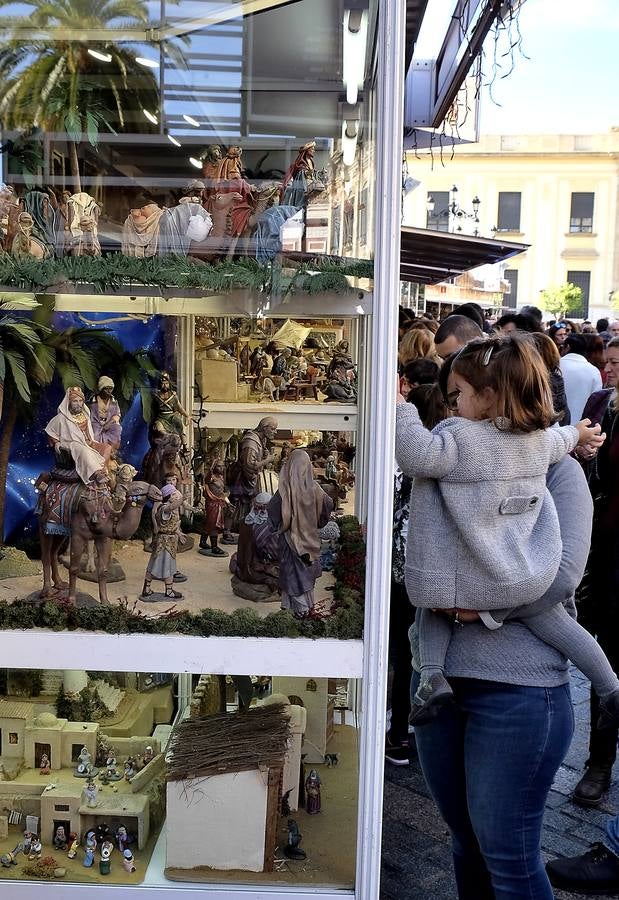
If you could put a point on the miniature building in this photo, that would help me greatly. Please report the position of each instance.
(223, 791)
(25, 738)
(315, 698)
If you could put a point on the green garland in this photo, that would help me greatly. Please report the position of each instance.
(346, 623)
(116, 272)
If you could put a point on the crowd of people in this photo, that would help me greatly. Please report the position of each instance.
(506, 507)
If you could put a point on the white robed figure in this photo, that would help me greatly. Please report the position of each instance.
(71, 430)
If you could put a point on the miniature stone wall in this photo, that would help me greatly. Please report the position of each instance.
(155, 767)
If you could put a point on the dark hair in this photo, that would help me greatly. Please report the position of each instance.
(522, 321)
(421, 371)
(428, 399)
(594, 346)
(460, 327)
(601, 325)
(507, 319)
(472, 311)
(533, 312)
(405, 316)
(512, 367)
(576, 343)
(556, 326)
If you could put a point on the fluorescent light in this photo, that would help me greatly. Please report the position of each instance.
(350, 131)
(173, 140)
(150, 117)
(195, 162)
(354, 49)
(149, 63)
(104, 57)
(191, 121)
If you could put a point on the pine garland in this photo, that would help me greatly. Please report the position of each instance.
(117, 272)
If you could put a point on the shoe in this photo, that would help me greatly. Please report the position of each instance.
(609, 711)
(397, 754)
(431, 696)
(217, 551)
(594, 872)
(178, 577)
(173, 595)
(592, 786)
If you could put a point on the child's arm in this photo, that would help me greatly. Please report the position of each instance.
(565, 439)
(420, 452)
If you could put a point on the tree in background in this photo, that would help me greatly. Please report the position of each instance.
(562, 299)
(57, 85)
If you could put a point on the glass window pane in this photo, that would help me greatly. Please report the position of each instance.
(508, 217)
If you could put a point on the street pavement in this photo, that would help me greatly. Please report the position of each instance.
(416, 860)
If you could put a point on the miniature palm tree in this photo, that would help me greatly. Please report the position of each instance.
(59, 86)
(25, 365)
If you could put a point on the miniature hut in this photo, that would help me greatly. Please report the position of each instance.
(224, 790)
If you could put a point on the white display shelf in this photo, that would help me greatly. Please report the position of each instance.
(294, 415)
(321, 658)
(145, 302)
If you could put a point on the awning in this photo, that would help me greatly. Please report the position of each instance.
(428, 257)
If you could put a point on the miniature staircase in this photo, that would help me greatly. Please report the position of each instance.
(108, 694)
(51, 681)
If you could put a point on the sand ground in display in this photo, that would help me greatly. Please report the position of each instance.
(329, 838)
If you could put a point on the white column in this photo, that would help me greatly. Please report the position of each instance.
(380, 460)
(74, 680)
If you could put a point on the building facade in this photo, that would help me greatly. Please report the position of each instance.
(558, 193)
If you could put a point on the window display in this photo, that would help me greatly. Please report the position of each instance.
(187, 426)
(227, 773)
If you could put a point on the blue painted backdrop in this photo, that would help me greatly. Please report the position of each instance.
(30, 452)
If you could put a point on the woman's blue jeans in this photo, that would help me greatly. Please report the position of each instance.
(489, 761)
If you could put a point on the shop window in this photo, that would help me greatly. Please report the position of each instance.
(583, 281)
(508, 214)
(437, 219)
(581, 213)
(510, 300)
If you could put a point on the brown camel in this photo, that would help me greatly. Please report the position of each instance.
(99, 518)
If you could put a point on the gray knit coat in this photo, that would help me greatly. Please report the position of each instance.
(486, 529)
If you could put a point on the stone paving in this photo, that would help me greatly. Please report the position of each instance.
(416, 863)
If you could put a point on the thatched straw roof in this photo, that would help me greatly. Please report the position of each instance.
(228, 742)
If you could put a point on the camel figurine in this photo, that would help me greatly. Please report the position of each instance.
(100, 517)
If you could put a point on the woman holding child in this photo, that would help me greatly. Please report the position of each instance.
(508, 518)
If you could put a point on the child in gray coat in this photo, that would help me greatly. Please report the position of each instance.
(480, 498)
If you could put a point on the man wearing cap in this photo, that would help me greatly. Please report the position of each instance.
(70, 431)
(105, 414)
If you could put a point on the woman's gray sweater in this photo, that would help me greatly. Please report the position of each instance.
(479, 499)
(512, 654)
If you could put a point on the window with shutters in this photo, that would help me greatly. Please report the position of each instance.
(581, 213)
(583, 281)
(511, 299)
(508, 213)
